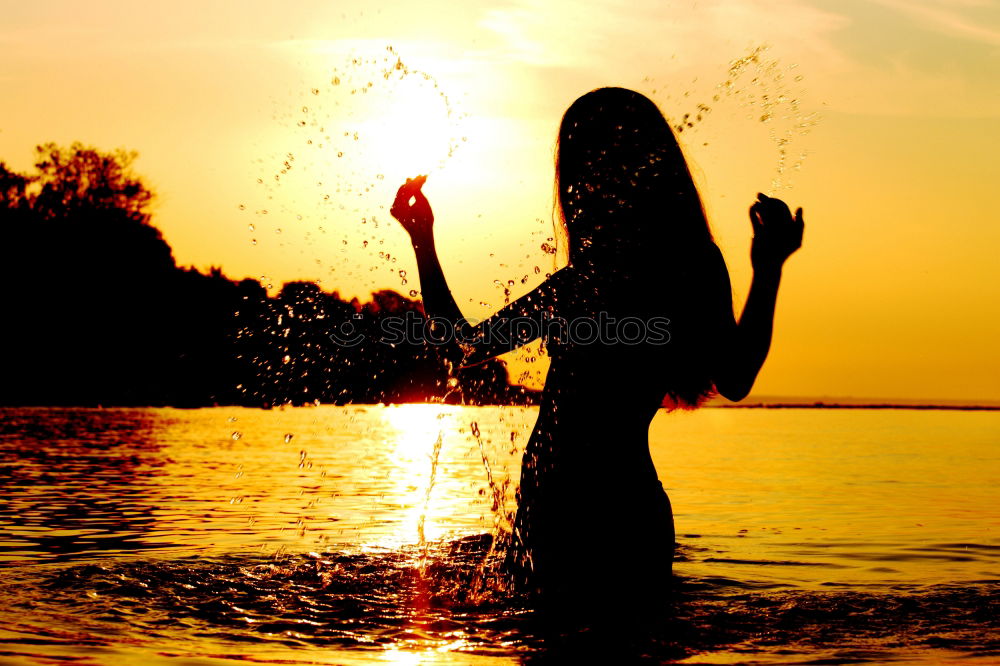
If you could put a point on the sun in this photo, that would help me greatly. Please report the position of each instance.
(379, 116)
(363, 124)
(415, 132)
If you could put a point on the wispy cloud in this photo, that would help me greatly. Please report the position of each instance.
(603, 32)
(837, 47)
(949, 19)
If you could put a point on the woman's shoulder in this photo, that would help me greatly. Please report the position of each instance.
(715, 264)
(698, 262)
(562, 277)
(560, 281)
(561, 290)
(711, 250)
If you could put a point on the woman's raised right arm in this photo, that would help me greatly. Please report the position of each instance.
(465, 342)
(418, 220)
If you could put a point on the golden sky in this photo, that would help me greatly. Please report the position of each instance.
(888, 112)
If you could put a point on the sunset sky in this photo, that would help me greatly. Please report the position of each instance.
(888, 112)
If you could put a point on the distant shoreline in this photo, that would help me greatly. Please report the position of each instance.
(846, 402)
(715, 404)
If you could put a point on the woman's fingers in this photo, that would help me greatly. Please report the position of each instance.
(411, 207)
(419, 200)
(772, 218)
(406, 191)
(755, 221)
(409, 189)
(771, 212)
(777, 232)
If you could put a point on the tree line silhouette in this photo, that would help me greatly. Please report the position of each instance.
(98, 312)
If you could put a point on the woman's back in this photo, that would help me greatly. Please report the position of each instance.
(631, 340)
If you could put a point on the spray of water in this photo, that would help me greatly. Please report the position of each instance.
(764, 90)
(349, 140)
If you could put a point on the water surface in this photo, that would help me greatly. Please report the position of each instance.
(361, 535)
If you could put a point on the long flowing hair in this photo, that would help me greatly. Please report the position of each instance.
(632, 214)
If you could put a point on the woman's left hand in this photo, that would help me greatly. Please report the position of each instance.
(776, 234)
(415, 217)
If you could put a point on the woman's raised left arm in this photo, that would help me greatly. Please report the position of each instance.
(745, 345)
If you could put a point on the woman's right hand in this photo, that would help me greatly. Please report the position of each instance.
(776, 234)
(412, 209)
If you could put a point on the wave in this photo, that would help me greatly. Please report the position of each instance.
(444, 597)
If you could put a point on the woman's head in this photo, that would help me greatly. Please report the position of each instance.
(622, 179)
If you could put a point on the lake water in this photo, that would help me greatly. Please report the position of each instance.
(343, 535)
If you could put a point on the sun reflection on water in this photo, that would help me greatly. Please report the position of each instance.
(444, 653)
(415, 433)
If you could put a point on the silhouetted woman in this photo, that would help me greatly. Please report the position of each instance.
(641, 317)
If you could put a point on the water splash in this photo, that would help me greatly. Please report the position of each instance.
(350, 139)
(767, 92)
(422, 520)
(502, 518)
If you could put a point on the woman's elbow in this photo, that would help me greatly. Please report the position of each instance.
(732, 394)
(732, 389)
(735, 376)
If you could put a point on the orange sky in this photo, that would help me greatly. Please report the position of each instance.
(893, 104)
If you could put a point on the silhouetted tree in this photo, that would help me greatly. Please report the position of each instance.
(98, 312)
